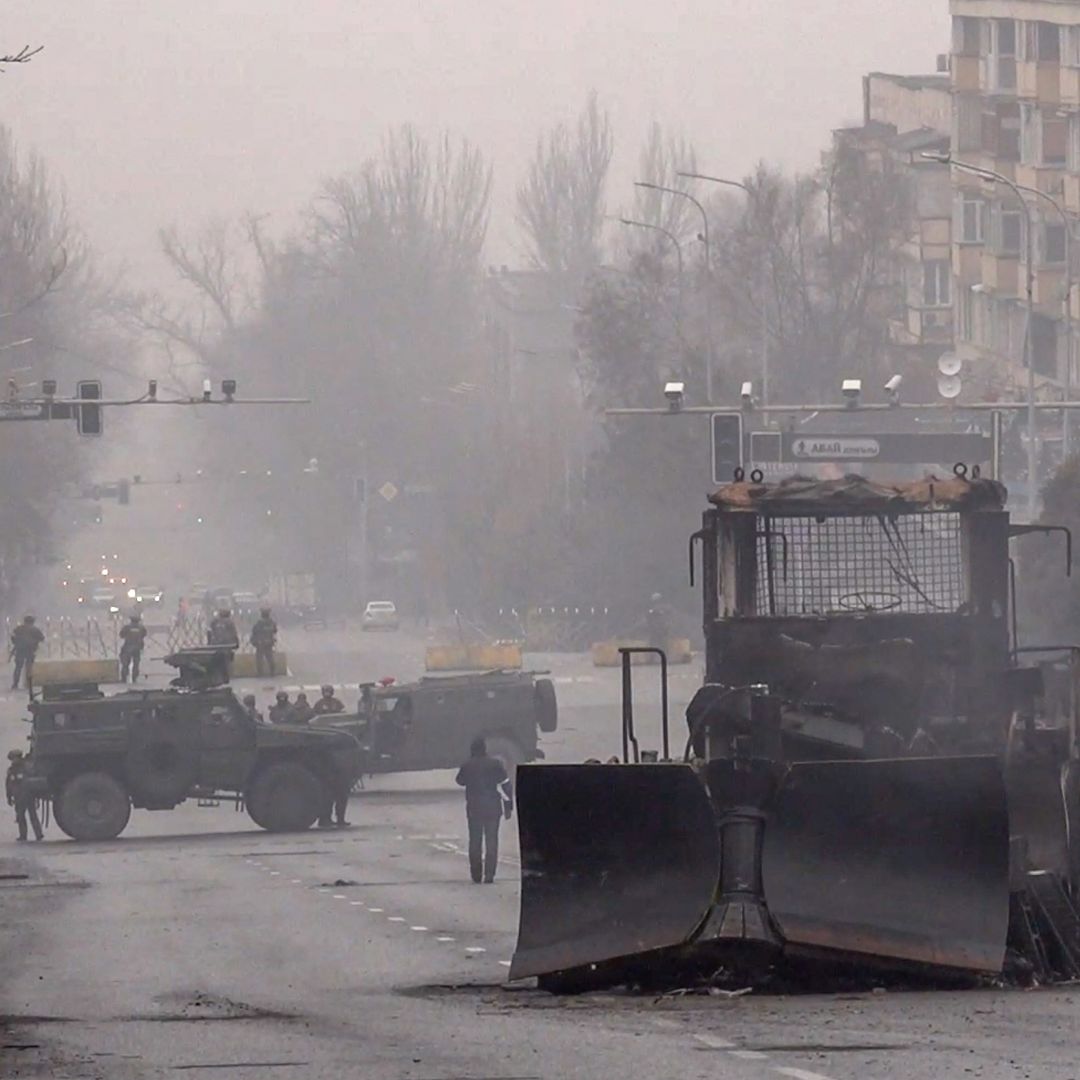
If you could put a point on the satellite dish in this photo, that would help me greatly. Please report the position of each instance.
(949, 386)
(949, 364)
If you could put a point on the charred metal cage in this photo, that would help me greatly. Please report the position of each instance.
(910, 564)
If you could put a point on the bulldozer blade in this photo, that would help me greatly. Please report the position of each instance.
(897, 860)
(615, 862)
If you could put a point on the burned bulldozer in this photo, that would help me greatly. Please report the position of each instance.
(876, 775)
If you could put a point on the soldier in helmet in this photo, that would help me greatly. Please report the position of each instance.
(281, 712)
(25, 639)
(223, 631)
(302, 711)
(133, 638)
(264, 638)
(252, 709)
(20, 797)
(328, 703)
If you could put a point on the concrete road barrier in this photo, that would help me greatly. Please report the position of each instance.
(473, 657)
(244, 665)
(606, 653)
(52, 672)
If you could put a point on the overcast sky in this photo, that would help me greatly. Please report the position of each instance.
(162, 111)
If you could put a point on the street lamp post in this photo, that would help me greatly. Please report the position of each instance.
(709, 335)
(678, 254)
(764, 277)
(1029, 288)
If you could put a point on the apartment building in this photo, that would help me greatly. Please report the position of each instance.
(1015, 75)
(903, 116)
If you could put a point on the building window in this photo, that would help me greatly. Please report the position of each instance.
(1044, 345)
(1001, 132)
(1070, 45)
(967, 36)
(965, 315)
(1055, 140)
(1053, 245)
(1044, 137)
(936, 281)
(972, 219)
(1003, 54)
(1010, 232)
(1047, 42)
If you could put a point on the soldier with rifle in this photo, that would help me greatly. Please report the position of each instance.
(264, 638)
(25, 639)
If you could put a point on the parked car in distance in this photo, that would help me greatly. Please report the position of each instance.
(379, 615)
(104, 597)
(147, 594)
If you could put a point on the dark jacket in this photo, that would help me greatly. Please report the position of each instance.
(325, 706)
(223, 632)
(302, 713)
(133, 638)
(481, 777)
(26, 638)
(282, 714)
(15, 783)
(264, 633)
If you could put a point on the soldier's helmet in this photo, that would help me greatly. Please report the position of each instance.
(136, 617)
(14, 755)
(249, 699)
(327, 690)
(265, 612)
(224, 613)
(28, 619)
(282, 696)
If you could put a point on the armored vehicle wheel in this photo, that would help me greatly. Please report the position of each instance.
(161, 767)
(285, 797)
(507, 750)
(92, 806)
(547, 709)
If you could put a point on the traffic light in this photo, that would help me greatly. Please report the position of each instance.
(88, 418)
(727, 445)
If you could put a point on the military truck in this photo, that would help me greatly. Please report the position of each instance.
(97, 757)
(430, 723)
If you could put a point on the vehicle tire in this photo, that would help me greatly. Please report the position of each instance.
(161, 765)
(285, 797)
(92, 806)
(547, 709)
(507, 750)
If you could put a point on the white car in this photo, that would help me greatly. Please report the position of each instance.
(379, 615)
(147, 594)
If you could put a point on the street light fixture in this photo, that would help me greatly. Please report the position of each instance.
(632, 223)
(752, 195)
(1029, 286)
(709, 346)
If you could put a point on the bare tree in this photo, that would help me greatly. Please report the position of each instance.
(662, 157)
(23, 56)
(560, 204)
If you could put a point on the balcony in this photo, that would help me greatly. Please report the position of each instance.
(1001, 272)
(1039, 80)
(1043, 177)
(966, 73)
(1072, 193)
(1070, 86)
(1049, 288)
(967, 263)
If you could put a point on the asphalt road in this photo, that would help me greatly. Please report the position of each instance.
(196, 944)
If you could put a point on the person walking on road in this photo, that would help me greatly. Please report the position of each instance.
(264, 638)
(132, 639)
(487, 798)
(25, 639)
(20, 797)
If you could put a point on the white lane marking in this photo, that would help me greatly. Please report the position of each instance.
(340, 896)
(505, 963)
(377, 910)
(420, 929)
(275, 873)
(294, 881)
(324, 890)
(356, 903)
(748, 1055)
(475, 948)
(714, 1042)
(444, 938)
(394, 918)
(801, 1074)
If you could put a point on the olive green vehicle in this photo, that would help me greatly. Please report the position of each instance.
(97, 757)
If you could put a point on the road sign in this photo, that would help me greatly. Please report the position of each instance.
(389, 491)
(893, 448)
(23, 410)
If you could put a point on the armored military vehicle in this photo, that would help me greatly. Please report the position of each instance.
(97, 757)
(429, 724)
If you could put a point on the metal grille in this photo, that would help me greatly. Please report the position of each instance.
(819, 566)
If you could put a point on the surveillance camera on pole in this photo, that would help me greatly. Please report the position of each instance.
(675, 392)
(207, 390)
(892, 389)
(852, 390)
(746, 392)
